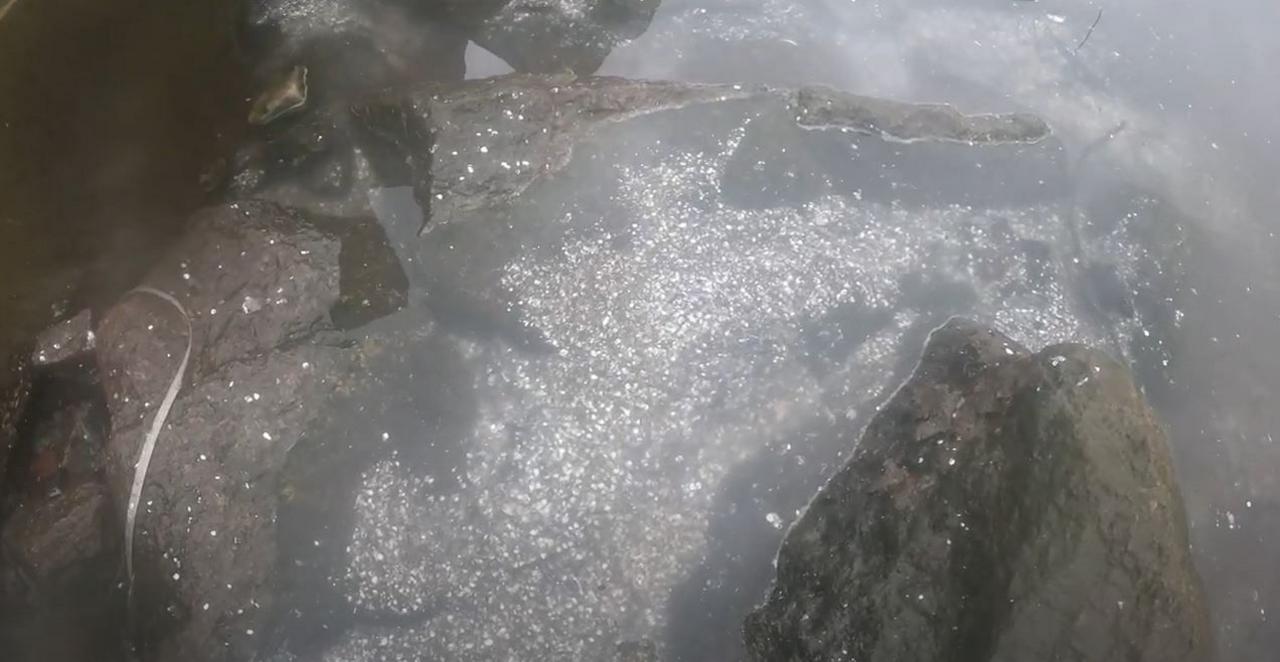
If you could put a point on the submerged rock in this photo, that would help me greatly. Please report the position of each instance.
(908, 122)
(349, 47)
(63, 434)
(59, 578)
(352, 47)
(503, 134)
(70, 338)
(478, 145)
(52, 534)
(676, 301)
(59, 560)
(1002, 505)
(15, 388)
(258, 283)
(460, 147)
(550, 36)
(711, 337)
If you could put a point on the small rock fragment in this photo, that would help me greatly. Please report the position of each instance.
(65, 340)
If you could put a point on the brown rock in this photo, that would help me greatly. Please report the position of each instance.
(65, 340)
(1002, 506)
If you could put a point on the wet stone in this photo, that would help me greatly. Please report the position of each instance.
(637, 651)
(258, 283)
(549, 36)
(65, 340)
(63, 433)
(349, 48)
(59, 585)
(15, 388)
(826, 108)
(708, 354)
(462, 147)
(1002, 505)
(354, 47)
(54, 532)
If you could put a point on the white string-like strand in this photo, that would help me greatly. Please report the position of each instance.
(149, 442)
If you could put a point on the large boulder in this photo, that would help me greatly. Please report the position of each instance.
(259, 284)
(57, 533)
(351, 47)
(59, 553)
(1002, 505)
(59, 578)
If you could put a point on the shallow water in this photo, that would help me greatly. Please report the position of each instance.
(634, 485)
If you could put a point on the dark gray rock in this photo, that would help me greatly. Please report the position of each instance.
(1002, 505)
(494, 138)
(59, 584)
(252, 276)
(330, 160)
(63, 433)
(355, 48)
(352, 48)
(896, 120)
(508, 242)
(259, 283)
(548, 36)
(15, 388)
(68, 339)
(637, 651)
(48, 535)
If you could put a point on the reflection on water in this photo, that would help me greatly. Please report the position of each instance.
(701, 286)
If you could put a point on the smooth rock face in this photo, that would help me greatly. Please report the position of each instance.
(1002, 505)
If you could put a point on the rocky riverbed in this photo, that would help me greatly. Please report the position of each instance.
(544, 366)
(457, 407)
